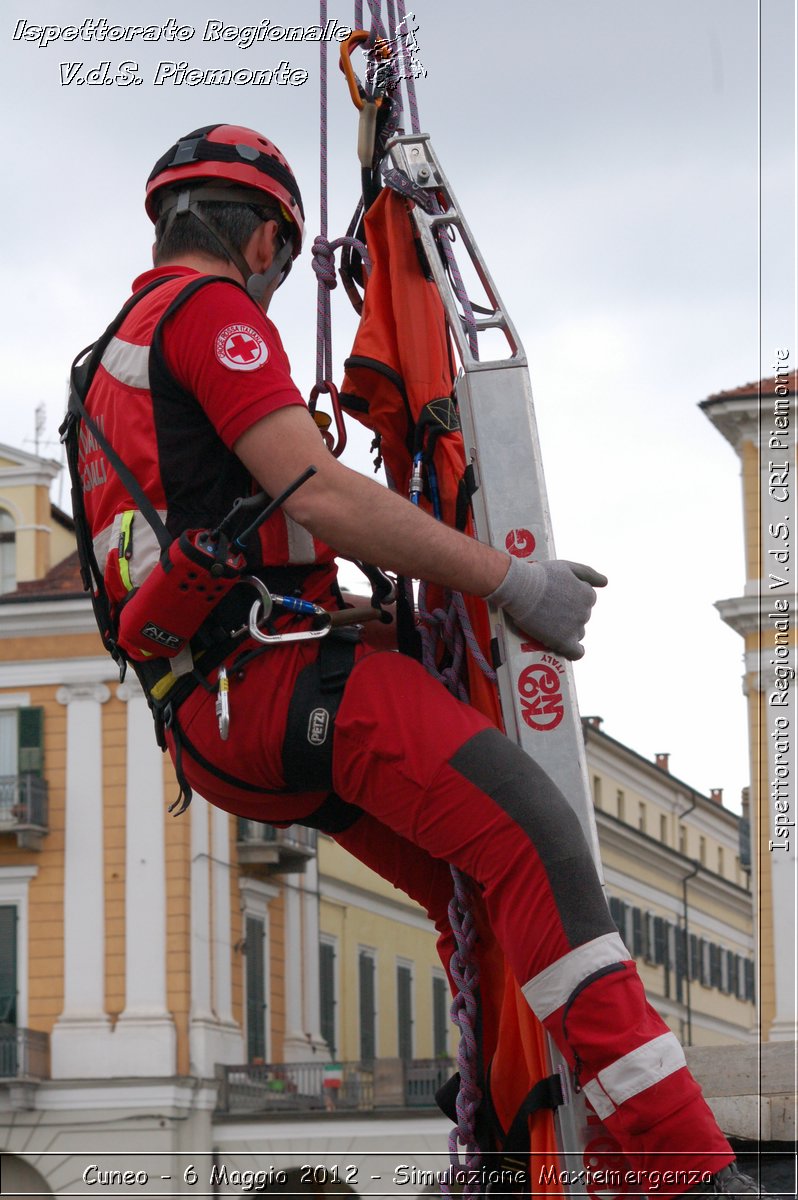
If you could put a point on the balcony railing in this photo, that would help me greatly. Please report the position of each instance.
(24, 1053)
(23, 808)
(339, 1087)
(279, 849)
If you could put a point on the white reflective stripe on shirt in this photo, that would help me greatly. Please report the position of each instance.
(127, 363)
(549, 990)
(632, 1074)
(144, 545)
(301, 547)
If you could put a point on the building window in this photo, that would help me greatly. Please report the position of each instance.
(720, 860)
(663, 829)
(597, 791)
(732, 966)
(702, 850)
(366, 973)
(14, 883)
(8, 552)
(705, 974)
(659, 941)
(327, 994)
(8, 965)
(22, 791)
(618, 910)
(750, 981)
(680, 960)
(682, 840)
(440, 1016)
(255, 939)
(641, 817)
(621, 800)
(404, 1011)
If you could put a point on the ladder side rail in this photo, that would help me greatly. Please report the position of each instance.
(415, 157)
(536, 688)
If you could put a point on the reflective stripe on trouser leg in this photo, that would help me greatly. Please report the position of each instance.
(633, 1073)
(437, 774)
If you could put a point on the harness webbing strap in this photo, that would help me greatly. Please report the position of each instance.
(319, 688)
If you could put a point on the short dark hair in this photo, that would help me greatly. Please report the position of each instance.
(237, 222)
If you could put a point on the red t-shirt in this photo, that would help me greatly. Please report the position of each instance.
(231, 370)
(226, 352)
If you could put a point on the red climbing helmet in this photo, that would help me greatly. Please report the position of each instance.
(236, 155)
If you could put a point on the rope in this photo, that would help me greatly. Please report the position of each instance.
(452, 625)
(465, 974)
(410, 83)
(323, 250)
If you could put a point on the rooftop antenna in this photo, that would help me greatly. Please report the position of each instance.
(40, 422)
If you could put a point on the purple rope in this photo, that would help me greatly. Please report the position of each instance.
(323, 320)
(453, 626)
(465, 974)
(410, 83)
(470, 637)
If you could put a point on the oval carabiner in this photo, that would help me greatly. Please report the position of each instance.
(269, 639)
(337, 444)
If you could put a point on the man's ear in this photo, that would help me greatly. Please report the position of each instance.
(265, 243)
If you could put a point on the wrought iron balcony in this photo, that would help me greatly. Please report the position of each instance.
(24, 1054)
(281, 850)
(23, 808)
(332, 1087)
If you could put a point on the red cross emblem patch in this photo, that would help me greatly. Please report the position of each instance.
(241, 348)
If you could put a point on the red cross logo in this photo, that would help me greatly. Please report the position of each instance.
(241, 348)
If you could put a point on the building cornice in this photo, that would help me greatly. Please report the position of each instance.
(43, 618)
(664, 780)
(667, 861)
(736, 418)
(63, 671)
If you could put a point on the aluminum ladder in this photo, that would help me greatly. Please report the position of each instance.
(536, 687)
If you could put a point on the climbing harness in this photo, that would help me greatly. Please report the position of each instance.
(202, 600)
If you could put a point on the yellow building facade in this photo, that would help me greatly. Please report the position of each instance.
(169, 983)
(759, 422)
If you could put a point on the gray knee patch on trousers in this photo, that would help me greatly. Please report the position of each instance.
(523, 791)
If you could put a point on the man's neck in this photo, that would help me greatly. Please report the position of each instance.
(205, 264)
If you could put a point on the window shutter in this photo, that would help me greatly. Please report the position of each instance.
(704, 954)
(8, 964)
(255, 934)
(750, 983)
(659, 941)
(404, 1011)
(440, 1017)
(680, 960)
(327, 993)
(637, 933)
(31, 741)
(695, 958)
(368, 1010)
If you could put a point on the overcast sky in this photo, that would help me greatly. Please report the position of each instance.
(606, 157)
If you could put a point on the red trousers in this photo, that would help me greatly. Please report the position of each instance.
(434, 783)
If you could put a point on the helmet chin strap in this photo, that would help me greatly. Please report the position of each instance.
(257, 283)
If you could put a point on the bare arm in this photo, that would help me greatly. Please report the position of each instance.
(357, 516)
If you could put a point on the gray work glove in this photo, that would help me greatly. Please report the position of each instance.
(551, 601)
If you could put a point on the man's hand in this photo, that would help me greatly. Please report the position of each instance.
(551, 601)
